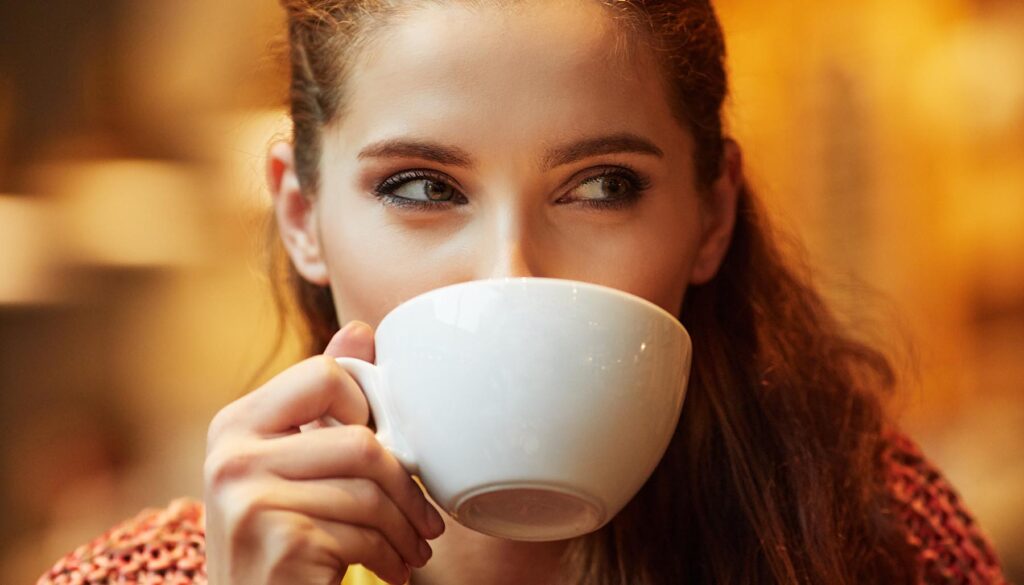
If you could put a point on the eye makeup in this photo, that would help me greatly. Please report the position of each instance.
(439, 192)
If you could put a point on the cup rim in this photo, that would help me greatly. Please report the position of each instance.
(547, 281)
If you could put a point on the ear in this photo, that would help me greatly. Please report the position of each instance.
(718, 215)
(295, 214)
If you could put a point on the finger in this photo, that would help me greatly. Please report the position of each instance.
(367, 547)
(291, 548)
(303, 393)
(355, 339)
(351, 451)
(294, 543)
(349, 501)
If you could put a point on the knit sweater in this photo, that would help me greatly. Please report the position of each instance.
(166, 546)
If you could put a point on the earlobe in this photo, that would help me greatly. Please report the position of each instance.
(295, 213)
(719, 215)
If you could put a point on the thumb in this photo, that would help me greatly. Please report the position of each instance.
(355, 339)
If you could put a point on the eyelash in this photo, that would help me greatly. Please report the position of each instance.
(638, 185)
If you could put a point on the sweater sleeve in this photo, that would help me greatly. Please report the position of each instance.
(158, 546)
(948, 544)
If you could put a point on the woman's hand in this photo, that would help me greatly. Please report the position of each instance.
(298, 508)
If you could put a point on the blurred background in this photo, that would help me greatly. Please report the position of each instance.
(887, 136)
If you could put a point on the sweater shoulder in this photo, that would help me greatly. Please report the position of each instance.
(947, 542)
(158, 545)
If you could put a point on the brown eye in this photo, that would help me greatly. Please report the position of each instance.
(417, 188)
(615, 187)
(436, 191)
(612, 188)
(607, 187)
(424, 190)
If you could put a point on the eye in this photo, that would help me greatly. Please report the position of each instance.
(418, 188)
(612, 187)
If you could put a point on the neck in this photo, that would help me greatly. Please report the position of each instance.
(466, 557)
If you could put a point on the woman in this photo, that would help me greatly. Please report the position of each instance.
(442, 141)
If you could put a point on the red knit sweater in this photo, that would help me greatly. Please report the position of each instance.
(166, 546)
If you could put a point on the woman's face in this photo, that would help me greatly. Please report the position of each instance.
(495, 142)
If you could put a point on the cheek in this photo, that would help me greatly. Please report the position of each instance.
(654, 261)
(373, 265)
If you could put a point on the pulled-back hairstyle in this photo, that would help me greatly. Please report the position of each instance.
(773, 475)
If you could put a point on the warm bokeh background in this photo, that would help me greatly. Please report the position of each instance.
(889, 136)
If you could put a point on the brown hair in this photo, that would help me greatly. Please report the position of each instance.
(773, 473)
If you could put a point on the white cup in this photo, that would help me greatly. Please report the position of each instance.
(530, 408)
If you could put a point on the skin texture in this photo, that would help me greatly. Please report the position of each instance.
(504, 87)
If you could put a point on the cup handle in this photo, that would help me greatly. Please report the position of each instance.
(369, 379)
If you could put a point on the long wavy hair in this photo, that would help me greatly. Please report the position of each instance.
(773, 475)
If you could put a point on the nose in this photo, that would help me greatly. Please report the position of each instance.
(511, 260)
(513, 248)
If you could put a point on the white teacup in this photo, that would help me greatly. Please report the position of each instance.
(530, 408)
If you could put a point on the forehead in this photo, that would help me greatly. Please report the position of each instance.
(532, 71)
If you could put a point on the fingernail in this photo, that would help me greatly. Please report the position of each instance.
(434, 521)
(360, 325)
(425, 551)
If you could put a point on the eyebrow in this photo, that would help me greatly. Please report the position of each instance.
(621, 142)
